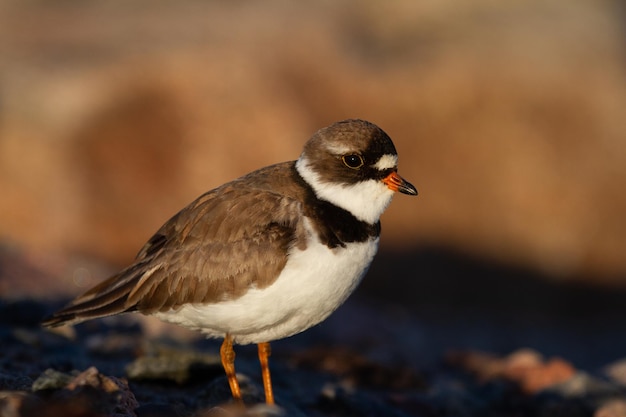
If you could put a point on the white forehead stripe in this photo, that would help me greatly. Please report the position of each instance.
(386, 161)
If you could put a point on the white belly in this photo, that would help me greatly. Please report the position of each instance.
(312, 285)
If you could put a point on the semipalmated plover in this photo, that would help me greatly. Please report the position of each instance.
(267, 255)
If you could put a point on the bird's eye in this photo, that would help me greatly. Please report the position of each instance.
(352, 161)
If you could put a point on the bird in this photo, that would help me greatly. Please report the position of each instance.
(265, 256)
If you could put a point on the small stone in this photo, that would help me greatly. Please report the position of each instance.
(617, 371)
(51, 379)
(91, 377)
(174, 365)
(536, 376)
(525, 367)
(86, 391)
(613, 408)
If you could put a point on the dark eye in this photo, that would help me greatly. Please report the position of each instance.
(352, 161)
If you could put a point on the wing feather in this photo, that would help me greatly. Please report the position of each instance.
(227, 241)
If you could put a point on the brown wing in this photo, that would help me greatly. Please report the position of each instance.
(227, 241)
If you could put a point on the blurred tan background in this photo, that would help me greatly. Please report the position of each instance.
(509, 118)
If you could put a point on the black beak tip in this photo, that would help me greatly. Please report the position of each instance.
(407, 188)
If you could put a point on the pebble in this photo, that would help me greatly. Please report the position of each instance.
(526, 367)
(617, 371)
(613, 408)
(180, 366)
(51, 379)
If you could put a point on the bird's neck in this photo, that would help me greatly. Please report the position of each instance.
(365, 200)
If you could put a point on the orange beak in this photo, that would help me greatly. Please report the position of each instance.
(396, 183)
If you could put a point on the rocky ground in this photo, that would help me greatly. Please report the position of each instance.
(441, 348)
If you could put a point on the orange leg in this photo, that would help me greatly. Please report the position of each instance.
(264, 353)
(228, 362)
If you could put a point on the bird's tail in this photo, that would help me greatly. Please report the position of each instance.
(105, 299)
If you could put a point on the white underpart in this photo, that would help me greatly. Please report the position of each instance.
(312, 285)
(386, 162)
(366, 200)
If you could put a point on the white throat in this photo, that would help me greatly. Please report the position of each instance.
(366, 200)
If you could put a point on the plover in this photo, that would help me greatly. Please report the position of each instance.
(267, 255)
